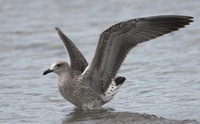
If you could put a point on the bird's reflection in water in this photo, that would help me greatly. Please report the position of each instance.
(85, 115)
(109, 116)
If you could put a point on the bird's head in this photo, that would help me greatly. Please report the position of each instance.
(59, 68)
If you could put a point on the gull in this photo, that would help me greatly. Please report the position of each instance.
(89, 86)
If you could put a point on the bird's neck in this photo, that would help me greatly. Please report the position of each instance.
(66, 75)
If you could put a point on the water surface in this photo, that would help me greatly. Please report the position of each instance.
(162, 75)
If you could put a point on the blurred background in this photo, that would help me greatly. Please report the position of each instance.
(162, 74)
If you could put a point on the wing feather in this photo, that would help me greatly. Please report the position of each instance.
(115, 43)
(77, 60)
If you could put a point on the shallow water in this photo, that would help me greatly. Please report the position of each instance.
(162, 75)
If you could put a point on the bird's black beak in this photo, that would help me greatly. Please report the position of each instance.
(47, 71)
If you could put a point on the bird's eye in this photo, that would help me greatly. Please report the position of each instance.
(58, 65)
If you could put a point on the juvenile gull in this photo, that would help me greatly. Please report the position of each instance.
(91, 86)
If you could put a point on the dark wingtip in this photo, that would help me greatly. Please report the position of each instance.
(57, 29)
(190, 17)
(187, 19)
(119, 80)
(60, 33)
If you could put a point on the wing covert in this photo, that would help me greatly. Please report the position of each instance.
(115, 43)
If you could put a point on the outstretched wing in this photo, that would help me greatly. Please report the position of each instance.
(77, 60)
(115, 43)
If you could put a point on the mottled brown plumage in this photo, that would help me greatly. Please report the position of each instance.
(90, 86)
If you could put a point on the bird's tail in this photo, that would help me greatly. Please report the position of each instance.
(113, 88)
